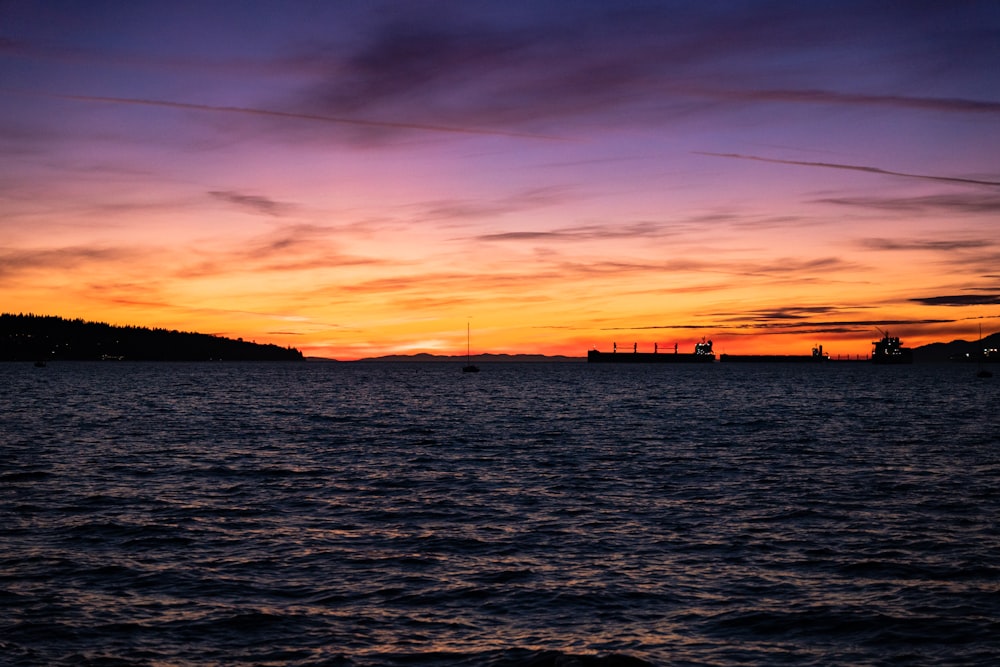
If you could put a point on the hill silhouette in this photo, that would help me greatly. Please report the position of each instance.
(43, 338)
(477, 358)
(959, 350)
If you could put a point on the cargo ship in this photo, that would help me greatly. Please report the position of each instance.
(702, 354)
(890, 350)
(817, 355)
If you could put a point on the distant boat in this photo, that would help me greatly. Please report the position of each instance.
(890, 350)
(40, 363)
(469, 367)
(982, 373)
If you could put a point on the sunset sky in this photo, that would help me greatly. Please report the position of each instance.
(365, 178)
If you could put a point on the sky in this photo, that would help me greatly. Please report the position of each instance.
(357, 179)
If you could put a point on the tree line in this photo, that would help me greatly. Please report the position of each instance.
(28, 337)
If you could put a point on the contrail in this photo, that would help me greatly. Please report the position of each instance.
(852, 167)
(294, 115)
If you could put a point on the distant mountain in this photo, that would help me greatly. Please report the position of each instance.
(956, 350)
(43, 338)
(476, 358)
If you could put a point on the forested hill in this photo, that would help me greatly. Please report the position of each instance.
(43, 338)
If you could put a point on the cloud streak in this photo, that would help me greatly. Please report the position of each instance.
(16, 261)
(960, 300)
(291, 248)
(882, 244)
(968, 203)
(804, 327)
(587, 233)
(468, 209)
(292, 115)
(638, 59)
(253, 203)
(806, 96)
(852, 167)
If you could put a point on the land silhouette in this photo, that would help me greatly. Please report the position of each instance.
(28, 337)
(956, 350)
(46, 338)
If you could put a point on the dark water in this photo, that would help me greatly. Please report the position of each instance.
(378, 514)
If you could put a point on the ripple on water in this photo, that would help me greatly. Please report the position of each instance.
(372, 514)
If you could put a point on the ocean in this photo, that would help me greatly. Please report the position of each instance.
(543, 514)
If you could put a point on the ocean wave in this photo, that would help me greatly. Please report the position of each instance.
(537, 515)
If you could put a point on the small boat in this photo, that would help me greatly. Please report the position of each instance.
(469, 367)
(40, 363)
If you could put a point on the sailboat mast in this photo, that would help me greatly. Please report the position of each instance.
(469, 368)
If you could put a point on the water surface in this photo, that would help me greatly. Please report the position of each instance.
(391, 514)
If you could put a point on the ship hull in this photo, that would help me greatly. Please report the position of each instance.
(783, 358)
(596, 357)
(905, 356)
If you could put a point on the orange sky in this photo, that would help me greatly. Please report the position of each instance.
(357, 183)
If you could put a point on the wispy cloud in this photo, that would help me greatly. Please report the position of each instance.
(300, 247)
(148, 294)
(793, 313)
(290, 115)
(812, 96)
(852, 167)
(477, 209)
(693, 228)
(477, 69)
(798, 328)
(95, 56)
(531, 68)
(826, 319)
(19, 260)
(789, 265)
(940, 245)
(973, 256)
(960, 300)
(960, 203)
(254, 203)
(587, 233)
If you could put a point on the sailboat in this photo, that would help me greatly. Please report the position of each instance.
(469, 367)
(983, 373)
